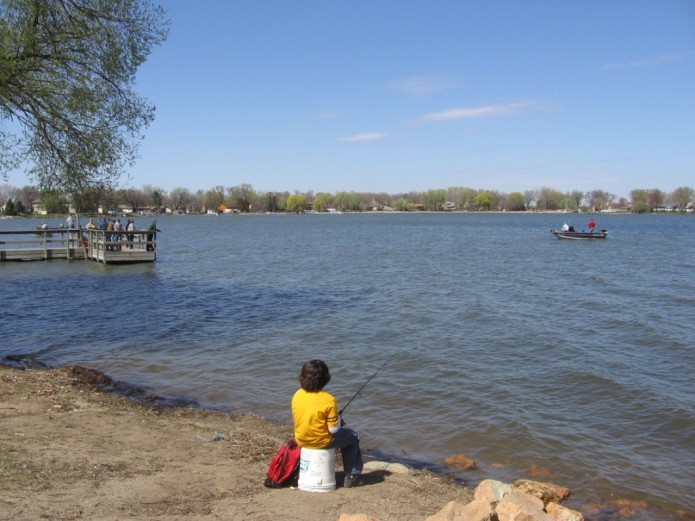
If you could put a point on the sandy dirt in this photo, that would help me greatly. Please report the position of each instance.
(70, 451)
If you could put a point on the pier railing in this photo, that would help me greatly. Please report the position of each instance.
(42, 244)
(77, 243)
(129, 246)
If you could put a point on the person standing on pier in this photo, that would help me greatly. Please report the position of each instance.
(118, 227)
(151, 235)
(109, 234)
(130, 227)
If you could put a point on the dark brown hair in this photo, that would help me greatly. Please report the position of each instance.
(314, 376)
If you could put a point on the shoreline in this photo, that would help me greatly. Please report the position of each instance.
(72, 451)
(79, 444)
(361, 212)
(141, 395)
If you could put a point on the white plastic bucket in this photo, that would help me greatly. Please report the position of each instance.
(317, 470)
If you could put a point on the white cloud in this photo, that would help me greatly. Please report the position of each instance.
(367, 136)
(650, 62)
(428, 84)
(484, 111)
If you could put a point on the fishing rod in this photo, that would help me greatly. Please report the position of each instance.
(365, 384)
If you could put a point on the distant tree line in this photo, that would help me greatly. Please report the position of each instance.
(244, 198)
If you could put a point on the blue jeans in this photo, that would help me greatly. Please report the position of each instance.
(348, 442)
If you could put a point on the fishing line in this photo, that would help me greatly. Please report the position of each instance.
(365, 383)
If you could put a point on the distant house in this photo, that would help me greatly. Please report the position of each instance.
(121, 209)
(38, 208)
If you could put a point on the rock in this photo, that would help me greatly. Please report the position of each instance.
(356, 517)
(474, 511)
(512, 511)
(685, 515)
(535, 470)
(451, 512)
(396, 468)
(479, 511)
(460, 461)
(527, 501)
(491, 491)
(623, 507)
(545, 491)
(630, 503)
(560, 513)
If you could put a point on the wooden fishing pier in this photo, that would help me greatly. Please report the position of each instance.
(104, 246)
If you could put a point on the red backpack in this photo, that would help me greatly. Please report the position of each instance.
(284, 467)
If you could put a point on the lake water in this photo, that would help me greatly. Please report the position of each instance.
(562, 361)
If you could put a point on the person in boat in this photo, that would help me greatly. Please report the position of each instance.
(591, 224)
(317, 422)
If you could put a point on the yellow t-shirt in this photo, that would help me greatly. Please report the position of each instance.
(313, 413)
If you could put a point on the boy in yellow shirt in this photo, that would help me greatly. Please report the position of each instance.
(317, 424)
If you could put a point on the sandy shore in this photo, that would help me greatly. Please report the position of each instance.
(70, 451)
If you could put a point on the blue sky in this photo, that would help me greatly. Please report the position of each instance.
(393, 96)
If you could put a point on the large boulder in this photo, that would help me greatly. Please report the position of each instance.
(451, 512)
(525, 500)
(476, 510)
(547, 492)
(560, 513)
(528, 501)
(460, 461)
(509, 511)
(519, 506)
(491, 491)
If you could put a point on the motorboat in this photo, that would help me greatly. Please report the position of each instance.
(573, 234)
